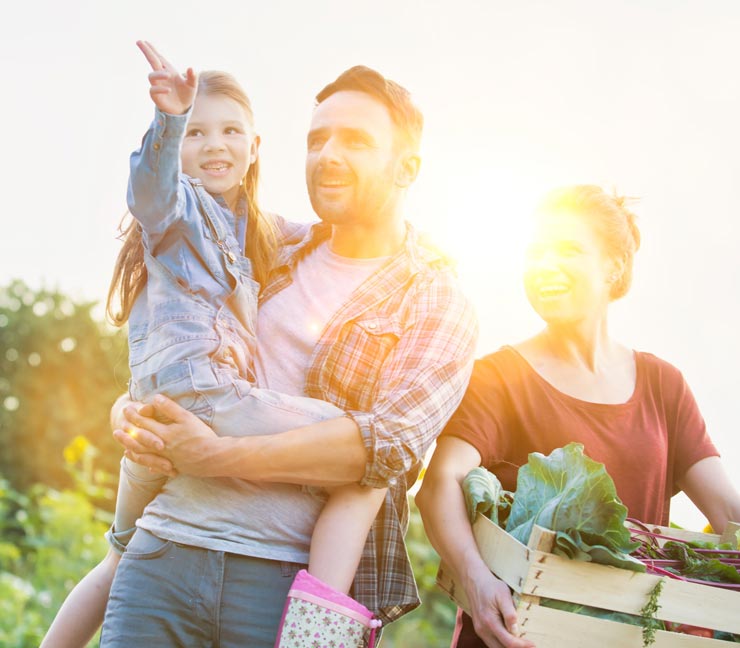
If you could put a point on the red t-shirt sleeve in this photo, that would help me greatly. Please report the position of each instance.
(690, 441)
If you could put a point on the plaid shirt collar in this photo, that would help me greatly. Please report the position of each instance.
(416, 253)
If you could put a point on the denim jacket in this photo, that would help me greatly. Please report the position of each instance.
(199, 301)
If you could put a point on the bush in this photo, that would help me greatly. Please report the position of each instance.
(50, 539)
(60, 371)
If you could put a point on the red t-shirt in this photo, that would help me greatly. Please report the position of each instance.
(647, 444)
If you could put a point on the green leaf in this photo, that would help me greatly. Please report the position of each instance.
(648, 621)
(579, 545)
(695, 565)
(570, 493)
(483, 493)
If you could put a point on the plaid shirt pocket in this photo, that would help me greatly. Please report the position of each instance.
(353, 367)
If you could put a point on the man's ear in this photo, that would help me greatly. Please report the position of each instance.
(408, 169)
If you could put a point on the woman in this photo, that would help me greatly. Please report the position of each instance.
(571, 382)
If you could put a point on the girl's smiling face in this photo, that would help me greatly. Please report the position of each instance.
(568, 274)
(219, 145)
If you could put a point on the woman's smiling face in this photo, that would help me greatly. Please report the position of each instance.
(567, 274)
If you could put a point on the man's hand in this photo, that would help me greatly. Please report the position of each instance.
(170, 91)
(493, 612)
(168, 438)
(139, 445)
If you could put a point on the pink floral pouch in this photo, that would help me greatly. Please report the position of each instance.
(318, 616)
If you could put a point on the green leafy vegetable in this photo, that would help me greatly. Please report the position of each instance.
(700, 562)
(696, 565)
(483, 494)
(573, 495)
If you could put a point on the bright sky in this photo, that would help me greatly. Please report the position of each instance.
(519, 97)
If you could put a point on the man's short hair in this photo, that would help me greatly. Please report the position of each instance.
(406, 116)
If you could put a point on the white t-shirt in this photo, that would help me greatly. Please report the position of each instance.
(290, 323)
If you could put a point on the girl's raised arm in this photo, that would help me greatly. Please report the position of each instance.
(170, 91)
(154, 183)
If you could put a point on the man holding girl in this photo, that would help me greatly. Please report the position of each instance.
(358, 311)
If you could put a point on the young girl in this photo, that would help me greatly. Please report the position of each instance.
(187, 279)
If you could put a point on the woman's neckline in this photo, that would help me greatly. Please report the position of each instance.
(579, 401)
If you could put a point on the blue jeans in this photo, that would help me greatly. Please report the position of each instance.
(171, 595)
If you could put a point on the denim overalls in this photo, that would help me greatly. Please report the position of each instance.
(191, 333)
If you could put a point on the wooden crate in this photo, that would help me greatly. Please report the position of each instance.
(533, 572)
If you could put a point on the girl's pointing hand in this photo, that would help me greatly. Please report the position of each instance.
(171, 91)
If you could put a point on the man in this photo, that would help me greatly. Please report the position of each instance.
(360, 313)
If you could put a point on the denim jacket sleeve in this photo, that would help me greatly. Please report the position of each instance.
(422, 383)
(155, 195)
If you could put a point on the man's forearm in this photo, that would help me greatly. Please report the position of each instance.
(329, 453)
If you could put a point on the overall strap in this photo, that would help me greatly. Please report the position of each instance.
(218, 233)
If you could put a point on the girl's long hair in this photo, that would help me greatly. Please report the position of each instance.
(129, 273)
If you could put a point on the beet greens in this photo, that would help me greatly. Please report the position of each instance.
(694, 562)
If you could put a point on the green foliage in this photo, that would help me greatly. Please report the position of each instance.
(49, 540)
(60, 371)
(599, 613)
(431, 624)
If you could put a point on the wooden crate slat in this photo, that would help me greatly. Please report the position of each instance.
(447, 582)
(680, 534)
(701, 605)
(728, 535)
(550, 628)
(505, 555)
(600, 586)
(622, 590)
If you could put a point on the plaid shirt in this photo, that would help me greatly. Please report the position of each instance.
(397, 358)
